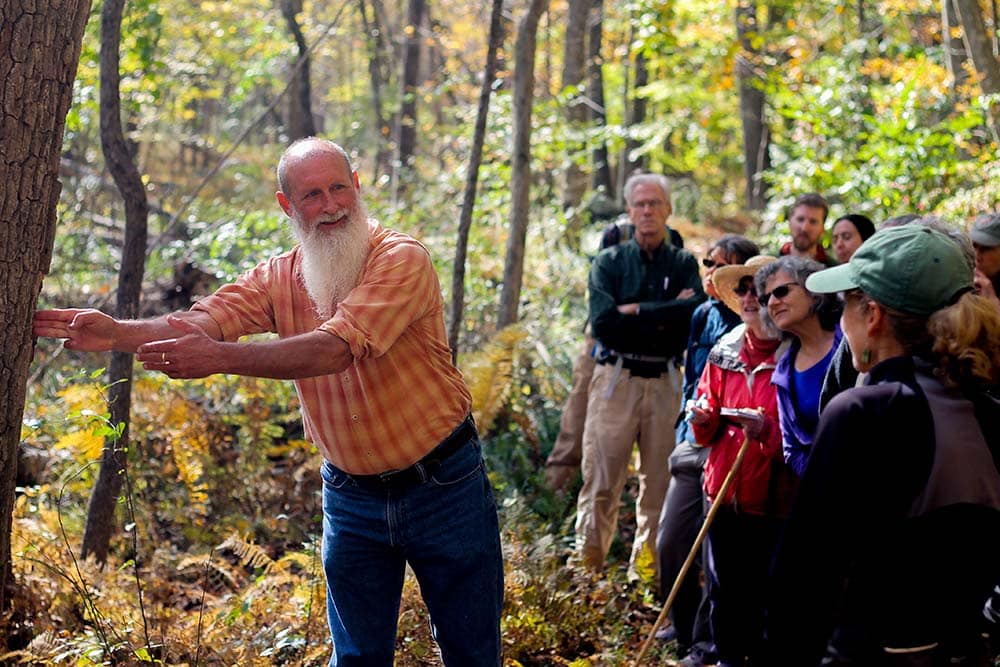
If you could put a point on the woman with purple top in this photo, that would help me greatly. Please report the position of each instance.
(811, 321)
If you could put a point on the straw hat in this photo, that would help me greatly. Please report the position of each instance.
(727, 278)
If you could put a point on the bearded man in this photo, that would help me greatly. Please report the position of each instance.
(806, 221)
(359, 315)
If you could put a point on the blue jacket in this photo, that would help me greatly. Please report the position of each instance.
(796, 440)
(710, 321)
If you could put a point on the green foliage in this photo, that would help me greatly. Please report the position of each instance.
(889, 141)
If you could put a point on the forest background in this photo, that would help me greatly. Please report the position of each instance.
(197, 505)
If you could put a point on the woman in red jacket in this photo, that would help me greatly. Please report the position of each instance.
(743, 535)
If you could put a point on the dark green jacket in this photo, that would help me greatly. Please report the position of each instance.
(624, 274)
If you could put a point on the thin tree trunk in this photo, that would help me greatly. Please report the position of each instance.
(574, 61)
(595, 91)
(378, 74)
(756, 136)
(472, 178)
(37, 67)
(104, 497)
(955, 55)
(979, 45)
(637, 115)
(524, 81)
(406, 127)
(300, 117)
(980, 49)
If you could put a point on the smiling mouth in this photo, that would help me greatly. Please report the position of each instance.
(334, 219)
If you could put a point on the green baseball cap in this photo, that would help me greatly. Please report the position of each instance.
(913, 269)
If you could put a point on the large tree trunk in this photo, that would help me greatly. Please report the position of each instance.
(574, 60)
(406, 125)
(37, 67)
(472, 178)
(595, 91)
(756, 136)
(300, 117)
(104, 497)
(378, 74)
(524, 82)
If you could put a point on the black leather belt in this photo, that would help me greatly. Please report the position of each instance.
(421, 470)
(643, 369)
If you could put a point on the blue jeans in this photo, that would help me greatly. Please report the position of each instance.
(446, 528)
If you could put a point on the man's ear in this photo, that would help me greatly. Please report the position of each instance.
(357, 182)
(283, 202)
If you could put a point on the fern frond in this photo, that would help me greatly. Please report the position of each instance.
(249, 554)
(490, 375)
(216, 573)
(305, 562)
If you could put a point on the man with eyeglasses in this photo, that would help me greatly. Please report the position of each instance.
(563, 462)
(642, 295)
(806, 220)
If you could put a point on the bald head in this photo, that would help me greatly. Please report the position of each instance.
(305, 148)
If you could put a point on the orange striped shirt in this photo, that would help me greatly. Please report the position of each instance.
(402, 395)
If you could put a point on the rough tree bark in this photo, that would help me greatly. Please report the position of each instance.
(472, 178)
(300, 117)
(37, 67)
(524, 82)
(601, 179)
(104, 496)
(756, 135)
(574, 61)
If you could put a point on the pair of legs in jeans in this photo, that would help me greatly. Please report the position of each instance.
(446, 529)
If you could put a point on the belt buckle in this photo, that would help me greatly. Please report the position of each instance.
(388, 476)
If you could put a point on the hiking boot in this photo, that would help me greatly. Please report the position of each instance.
(667, 633)
(697, 658)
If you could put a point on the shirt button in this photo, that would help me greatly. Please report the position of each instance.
(354, 417)
(347, 378)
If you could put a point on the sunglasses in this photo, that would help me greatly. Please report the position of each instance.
(744, 287)
(781, 291)
(710, 263)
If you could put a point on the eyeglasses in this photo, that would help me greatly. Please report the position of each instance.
(710, 263)
(781, 291)
(744, 287)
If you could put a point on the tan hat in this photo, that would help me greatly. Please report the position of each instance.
(727, 278)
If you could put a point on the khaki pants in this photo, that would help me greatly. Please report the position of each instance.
(639, 410)
(564, 461)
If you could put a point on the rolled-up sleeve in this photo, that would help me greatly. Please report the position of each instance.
(245, 306)
(398, 287)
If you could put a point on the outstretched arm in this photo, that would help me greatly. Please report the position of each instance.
(192, 353)
(90, 330)
(189, 345)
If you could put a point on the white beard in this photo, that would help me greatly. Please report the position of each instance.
(333, 259)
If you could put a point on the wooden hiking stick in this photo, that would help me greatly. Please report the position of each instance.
(712, 511)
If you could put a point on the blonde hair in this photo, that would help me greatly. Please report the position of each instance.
(967, 341)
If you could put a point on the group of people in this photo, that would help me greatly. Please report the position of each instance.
(860, 525)
(840, 415)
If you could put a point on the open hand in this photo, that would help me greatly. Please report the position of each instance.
(192, 354)
(83, 329)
